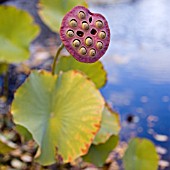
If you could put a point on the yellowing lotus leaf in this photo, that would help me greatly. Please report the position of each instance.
(62, 112)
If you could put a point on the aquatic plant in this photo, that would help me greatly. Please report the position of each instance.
(85, 35)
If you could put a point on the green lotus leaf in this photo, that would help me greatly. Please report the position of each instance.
(98, 153)
(53, 11)
(25, 134)
(17, 30)
(110, 125)
(94, 71)
(141, 154)
(62, 112)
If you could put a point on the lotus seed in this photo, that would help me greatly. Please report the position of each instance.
(92, 52)
(89, 41)
(99, 45)
(76, 43)
(85, 25)
(99, 24)
(83, 51)
(73, 23)
(82, 15)
(102, 35)
(70, 33)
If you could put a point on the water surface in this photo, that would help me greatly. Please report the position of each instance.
(138, 65)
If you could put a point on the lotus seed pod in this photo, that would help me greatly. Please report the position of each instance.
(82, 15)
(86, 35)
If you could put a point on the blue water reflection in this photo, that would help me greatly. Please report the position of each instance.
(138, 65)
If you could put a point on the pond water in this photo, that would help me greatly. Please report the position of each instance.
(138, 65)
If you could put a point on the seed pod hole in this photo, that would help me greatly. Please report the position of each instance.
(85, 25)
(76, 43)
(90, 19)
(92, 52)
(70, 33)
(81, 15)
(99, 24)
(73, 23)
(93, 32)
(80, 33)
(99, 45)
(82, 51)
(89, 41)
(102, 35)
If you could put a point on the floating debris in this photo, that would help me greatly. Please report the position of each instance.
(144, 99)
(163, 164)
(123, 98)
(136, 119)
(152, 118)
(151, 131)
(165, 99)
(130, 118)
(161, 138)
(139, 129)
(139, 110)
(161, 150)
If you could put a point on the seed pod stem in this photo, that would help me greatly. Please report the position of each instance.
(56, 57)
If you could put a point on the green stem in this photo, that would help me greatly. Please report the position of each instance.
(56, 57)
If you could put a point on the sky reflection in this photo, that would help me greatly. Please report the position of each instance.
(138, 65)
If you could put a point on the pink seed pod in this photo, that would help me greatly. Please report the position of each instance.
(85, 35)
